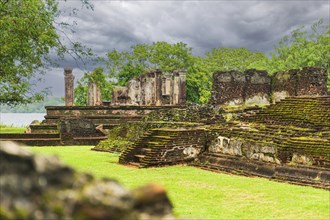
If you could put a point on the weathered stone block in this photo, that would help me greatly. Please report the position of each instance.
(228, 88)
(311, 81)
(257, 87)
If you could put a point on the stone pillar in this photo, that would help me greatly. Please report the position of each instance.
(182, 87)
(167, 89)
(68, 79)
(153, 79)
(158, 81)
(149, 89)
(176, 88)
(94, 95)
(134, 91)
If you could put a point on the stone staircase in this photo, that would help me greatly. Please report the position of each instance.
(143, 151)
(33, 139)
(164, 146)
(296, 129)
(310, 112)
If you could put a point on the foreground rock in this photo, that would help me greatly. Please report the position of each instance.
(41, 187)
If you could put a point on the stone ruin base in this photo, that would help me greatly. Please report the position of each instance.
(279, 142)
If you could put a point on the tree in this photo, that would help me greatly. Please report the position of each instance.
(303, 48)
(29, 34)
(100, 79)
(240, 59)
(124, 66)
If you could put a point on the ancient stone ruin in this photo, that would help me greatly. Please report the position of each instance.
(93, 94)
(69, 86)
(42, 187)
(286, 138)
(254, 87)
(288, 141)
(309, 81)
(153, 88)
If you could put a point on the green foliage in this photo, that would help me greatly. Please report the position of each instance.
(303, 48)
(240, 59)
(29, 33)
(126, 65)
(35, 107)
(97, 77)
(114, 145)
(222, 196)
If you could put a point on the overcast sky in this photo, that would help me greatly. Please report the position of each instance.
(203, 25)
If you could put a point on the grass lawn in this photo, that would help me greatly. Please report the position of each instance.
(11, 129)
(200, 194)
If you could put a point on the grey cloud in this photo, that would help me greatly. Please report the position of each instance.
(203, 25)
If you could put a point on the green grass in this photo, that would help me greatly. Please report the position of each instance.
(201, 194)
(11, 129)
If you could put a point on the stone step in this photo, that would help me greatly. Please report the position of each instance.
(91, 138)
(28, 136)
(38, 141)
(145, 150)
(134, 164)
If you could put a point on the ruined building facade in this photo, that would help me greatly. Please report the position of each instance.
(256, 87)
(153, 89)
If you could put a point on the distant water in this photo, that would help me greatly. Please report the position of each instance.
(20, 119)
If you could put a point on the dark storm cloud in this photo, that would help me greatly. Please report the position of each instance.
(203, 25)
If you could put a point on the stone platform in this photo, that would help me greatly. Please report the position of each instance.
(92, 123)
(287, 141)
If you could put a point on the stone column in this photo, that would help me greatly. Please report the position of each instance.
(166, 95)
(182, 87)
(68, 79)
(175, 88)
(94, 95)
(158, 81)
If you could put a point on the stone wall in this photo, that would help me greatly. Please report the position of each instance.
(254, 87)
(294, 156)
(284, 85)
(67, 131)
(106, 115)
(153, 89)
(235, 88)
(309, 81)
